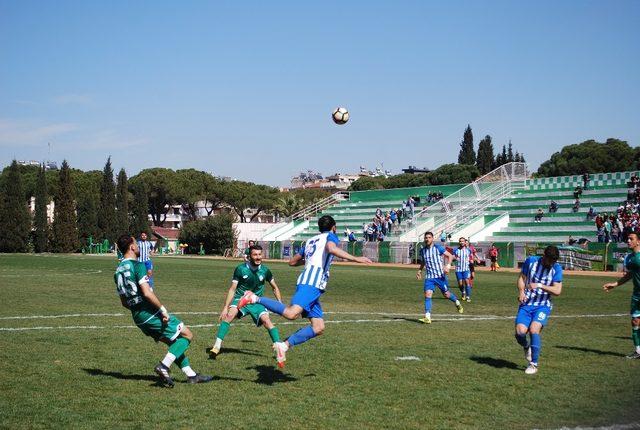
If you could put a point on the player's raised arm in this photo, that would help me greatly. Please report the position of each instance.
(333, 249)
(611, 285)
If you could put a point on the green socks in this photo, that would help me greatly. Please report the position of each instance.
(275, 335)
(223, 330)
(635, 335)
(179, 346)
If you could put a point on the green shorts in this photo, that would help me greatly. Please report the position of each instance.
(256, 310)
(635, 307)
(151, 324)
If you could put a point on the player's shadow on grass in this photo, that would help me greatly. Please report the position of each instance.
(150, 378)
(413, 320)
(268, 375)
(237, 351)
(593, 351)
(498, 363)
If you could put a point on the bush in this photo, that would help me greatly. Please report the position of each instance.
(215, 233)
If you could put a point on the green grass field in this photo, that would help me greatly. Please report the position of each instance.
(90, 371)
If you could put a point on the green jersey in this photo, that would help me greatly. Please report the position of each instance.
(251, 280)
(128, 277)
(632, 265)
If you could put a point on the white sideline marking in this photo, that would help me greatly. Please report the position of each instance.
(408, 358)
(304, 322)
(391, 314)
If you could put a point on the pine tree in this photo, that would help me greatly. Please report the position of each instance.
(122, 204)
(15, 220)
(509, 157)
(485, 160)
(88, 218)
(140, 210)
(522, 160)
(107, 208)
(467, 154)
(40, 221)
(65, 233)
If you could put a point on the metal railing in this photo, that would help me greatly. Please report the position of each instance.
(320, 205)
(471, 201)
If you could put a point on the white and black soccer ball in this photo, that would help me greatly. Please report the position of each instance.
(340, 115)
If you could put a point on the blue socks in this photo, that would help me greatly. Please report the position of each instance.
(468, 290)
(301, 336)
(522, 340)
(427, 305)
(536, 344)
(453, 298)
(273, 305)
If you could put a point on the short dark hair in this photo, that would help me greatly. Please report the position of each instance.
(428, 234)
(551, 256)
(255, 248)
(326, 223)
(124, 242)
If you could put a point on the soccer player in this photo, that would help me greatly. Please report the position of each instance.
(541, 278)
(247, 251)
(146, 250)
(132, 284)
(462, 255)
(249, 276)
(316, 255)
(472, 263)
(431, 256)
(632, 271)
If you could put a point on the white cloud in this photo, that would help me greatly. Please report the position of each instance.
(28, 133)
(73, 99)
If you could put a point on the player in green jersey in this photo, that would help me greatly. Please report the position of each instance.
(632, 271)
(249, 276)
(247, 251)
(132, 284)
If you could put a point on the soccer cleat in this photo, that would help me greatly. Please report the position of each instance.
(213, 351)
(280, 348)
(468, 299)
(633, 356)
(532, 369)
(163, 373)
(425, 320)
(199, 379)
(464, 298)
(247, 298)
(527, 354)
(460, 308)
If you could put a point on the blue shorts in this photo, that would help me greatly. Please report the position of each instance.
(460, 276)
(148, 264)
(528, 314)
(308, 298)
(430, 284)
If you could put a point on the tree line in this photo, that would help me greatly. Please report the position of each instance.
(95, 205)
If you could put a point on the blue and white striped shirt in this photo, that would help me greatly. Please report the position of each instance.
(317, 260)
(536, 273)
(463, 256)
(432, 259)
(145, 250)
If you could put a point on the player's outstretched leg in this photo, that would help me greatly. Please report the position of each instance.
(449, 295)
(427, 307)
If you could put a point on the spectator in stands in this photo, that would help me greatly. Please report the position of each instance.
(553, 207)
(443, 237)
(379, 213)
(539, 215)
(607, 230)
(585, 180)
(633, 181)
(615, 232)
(393, 216)
(412, 203)
(591, 214)
(571, 240)
(577, 192)
(576, 206)
(371, 233)
(350, 235)
(380, 236)
(600, 234)
(399, 216)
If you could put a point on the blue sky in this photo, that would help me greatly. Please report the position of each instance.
(246, 88)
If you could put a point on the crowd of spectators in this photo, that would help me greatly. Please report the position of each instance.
(615, 227)
(382, 224)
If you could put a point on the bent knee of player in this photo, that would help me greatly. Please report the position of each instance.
(535, 328)
(635, 322)
(292, 312)
(186, 333)
(318, 327)
(266, 321)
(521, 329)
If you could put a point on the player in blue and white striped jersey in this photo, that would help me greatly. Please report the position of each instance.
(431, 256)
(316, 255)
(463, 257)
(540, 279)
(146, 250)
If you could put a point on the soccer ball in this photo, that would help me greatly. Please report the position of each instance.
(340, 115)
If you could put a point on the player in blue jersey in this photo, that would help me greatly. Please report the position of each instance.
(541, 278)
(316, 255)
(146, 250)
(462, 255)
(431, 256)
